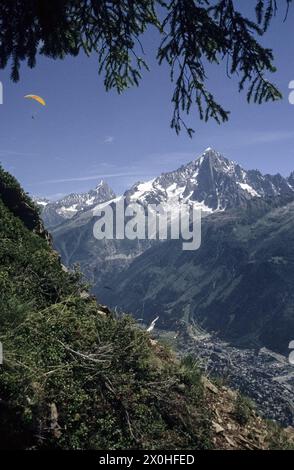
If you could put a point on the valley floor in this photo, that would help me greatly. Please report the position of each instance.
(262, 375)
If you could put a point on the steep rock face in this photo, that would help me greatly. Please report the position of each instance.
(211, 181)
(291, 180)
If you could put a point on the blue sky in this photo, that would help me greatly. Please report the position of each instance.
(85, 134)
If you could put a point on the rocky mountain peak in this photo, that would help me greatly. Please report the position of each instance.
(291, 179)
(211, 154)
(101, 183)
(212, 182)
(104, 191)
(54, 213)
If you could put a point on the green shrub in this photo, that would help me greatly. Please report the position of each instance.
(243, 409)
(277, 438)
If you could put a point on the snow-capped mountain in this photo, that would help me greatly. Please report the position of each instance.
(54, 213)
(41, 202)
(212, 182)
(73, 203)
(291, 180)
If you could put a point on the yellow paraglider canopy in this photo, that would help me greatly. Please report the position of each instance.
(36, 98)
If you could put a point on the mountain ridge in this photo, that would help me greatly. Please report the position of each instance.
(211, 182)
(54, 213)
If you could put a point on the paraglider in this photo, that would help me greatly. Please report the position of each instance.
(37, 98)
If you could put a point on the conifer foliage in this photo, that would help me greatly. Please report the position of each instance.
(192, 35)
